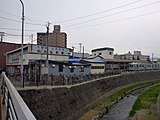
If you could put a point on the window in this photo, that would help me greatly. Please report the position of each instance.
(72, 70)
(62, 53)
(100, 53)
(97, 67)
(82, 69)
(56, 52)
(60, 68)
(38, 51)
(110, 53)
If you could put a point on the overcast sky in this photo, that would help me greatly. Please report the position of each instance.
(125, 25)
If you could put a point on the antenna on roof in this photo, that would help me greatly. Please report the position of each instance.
(2, 35)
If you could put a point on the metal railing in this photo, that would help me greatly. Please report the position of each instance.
(16, 108)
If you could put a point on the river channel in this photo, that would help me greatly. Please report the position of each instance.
(120, 111)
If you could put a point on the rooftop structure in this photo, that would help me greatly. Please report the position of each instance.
(105, 52)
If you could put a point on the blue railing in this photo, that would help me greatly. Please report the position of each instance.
(16, 108)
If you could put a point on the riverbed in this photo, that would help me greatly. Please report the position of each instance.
(120, 111)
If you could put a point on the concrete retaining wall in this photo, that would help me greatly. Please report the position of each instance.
(71, 103)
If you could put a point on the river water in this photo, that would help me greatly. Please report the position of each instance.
(120, 111)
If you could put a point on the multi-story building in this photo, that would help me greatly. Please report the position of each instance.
(135, 56)
(55, 39)
(33, 53)
(106, 52)
(6, 47)
(35, 57)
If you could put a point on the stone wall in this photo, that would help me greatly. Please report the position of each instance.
(70, 103)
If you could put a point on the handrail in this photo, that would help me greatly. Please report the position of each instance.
(16, 108)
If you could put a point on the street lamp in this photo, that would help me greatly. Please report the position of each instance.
(22, 43)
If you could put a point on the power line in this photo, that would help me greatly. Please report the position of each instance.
(2, 28)
(113, 14)
(20, 16)
(10, 34)
(118, 20)
(34, 20)
(10, 19)
(101, 12)
(9, 13)
(13, 20)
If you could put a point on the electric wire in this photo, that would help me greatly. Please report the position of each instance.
(10, 34)
(20, 16)
(118, 20)
(113, 14)
(72, 19)
(20, 21)
(3, 28)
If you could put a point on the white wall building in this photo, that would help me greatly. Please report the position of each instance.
(106, 52)
(36, 52)
(32, 53)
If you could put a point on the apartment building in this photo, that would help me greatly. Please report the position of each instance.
(55, 39)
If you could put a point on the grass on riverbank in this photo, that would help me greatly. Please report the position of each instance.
(116, 96)
(146, 99)
(108, 101)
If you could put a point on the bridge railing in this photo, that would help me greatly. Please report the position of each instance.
(16, 108)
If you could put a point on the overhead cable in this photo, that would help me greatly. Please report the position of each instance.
(72, 19)
(113, 14)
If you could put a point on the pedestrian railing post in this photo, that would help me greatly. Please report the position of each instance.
(16, 109)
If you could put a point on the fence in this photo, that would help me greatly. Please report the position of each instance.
(16, 109)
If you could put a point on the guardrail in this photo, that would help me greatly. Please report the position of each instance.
(16, 108)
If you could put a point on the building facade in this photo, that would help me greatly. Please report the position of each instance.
(34, 61)
(97, 64)
(106, 52)
(135, 56)
(55, 39)
(33, 53)
(6, 47)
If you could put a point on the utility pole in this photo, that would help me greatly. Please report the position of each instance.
(31, 37)
(83, 53)
(152, 61)
(2, 35)
(152, 58)
(22, 43)
(73, 51)
(47, 63)
(80, 46)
